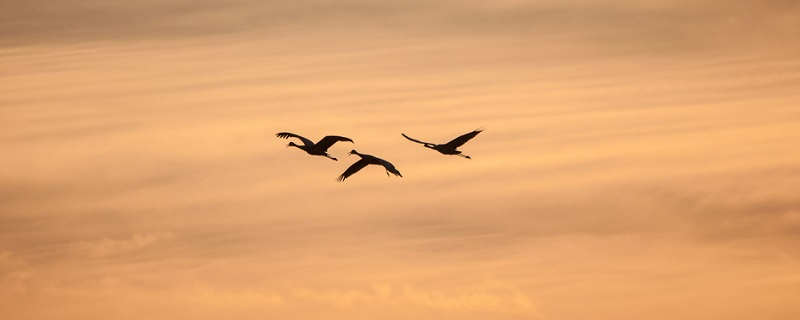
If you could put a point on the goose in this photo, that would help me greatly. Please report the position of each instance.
(315, 149)
(365, 161)
(450, 147)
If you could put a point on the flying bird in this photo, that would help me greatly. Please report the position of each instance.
(450, 147)
(365, 161)
(315, 149)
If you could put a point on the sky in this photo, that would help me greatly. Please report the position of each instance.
(639, 159)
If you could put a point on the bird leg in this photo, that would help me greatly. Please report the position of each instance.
(329, 157)
(465, 156)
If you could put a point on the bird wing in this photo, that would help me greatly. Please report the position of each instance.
(326, 142)
(360, 164)
(457, 142)
(287, 135)
(390, 167)
(415, 140)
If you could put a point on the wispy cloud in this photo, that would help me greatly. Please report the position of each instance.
(111, 247)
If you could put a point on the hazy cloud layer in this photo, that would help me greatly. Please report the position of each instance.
(658, 23)
(639, 157)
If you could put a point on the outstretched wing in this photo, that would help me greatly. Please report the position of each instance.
(415, 140)
(328, 141)
(390, 167)
(457, 142)
(360, 164)
(287, 135)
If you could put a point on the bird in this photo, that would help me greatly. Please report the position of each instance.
(315, 149)
(450, 147)
(365, 161)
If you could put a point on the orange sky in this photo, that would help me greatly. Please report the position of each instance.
(639, 159)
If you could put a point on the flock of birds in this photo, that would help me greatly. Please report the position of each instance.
(321, 149)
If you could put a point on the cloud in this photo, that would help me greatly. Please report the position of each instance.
(114, 247)
(503, 301)
(10, 263)
(632, 161)
(663, 25)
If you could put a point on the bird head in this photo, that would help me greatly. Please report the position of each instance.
(353, 152)
(291, 144)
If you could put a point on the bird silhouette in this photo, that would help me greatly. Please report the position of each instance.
(315, 149)
(365, 161)
(450, 147)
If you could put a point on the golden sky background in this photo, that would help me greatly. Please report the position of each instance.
(640, 159)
